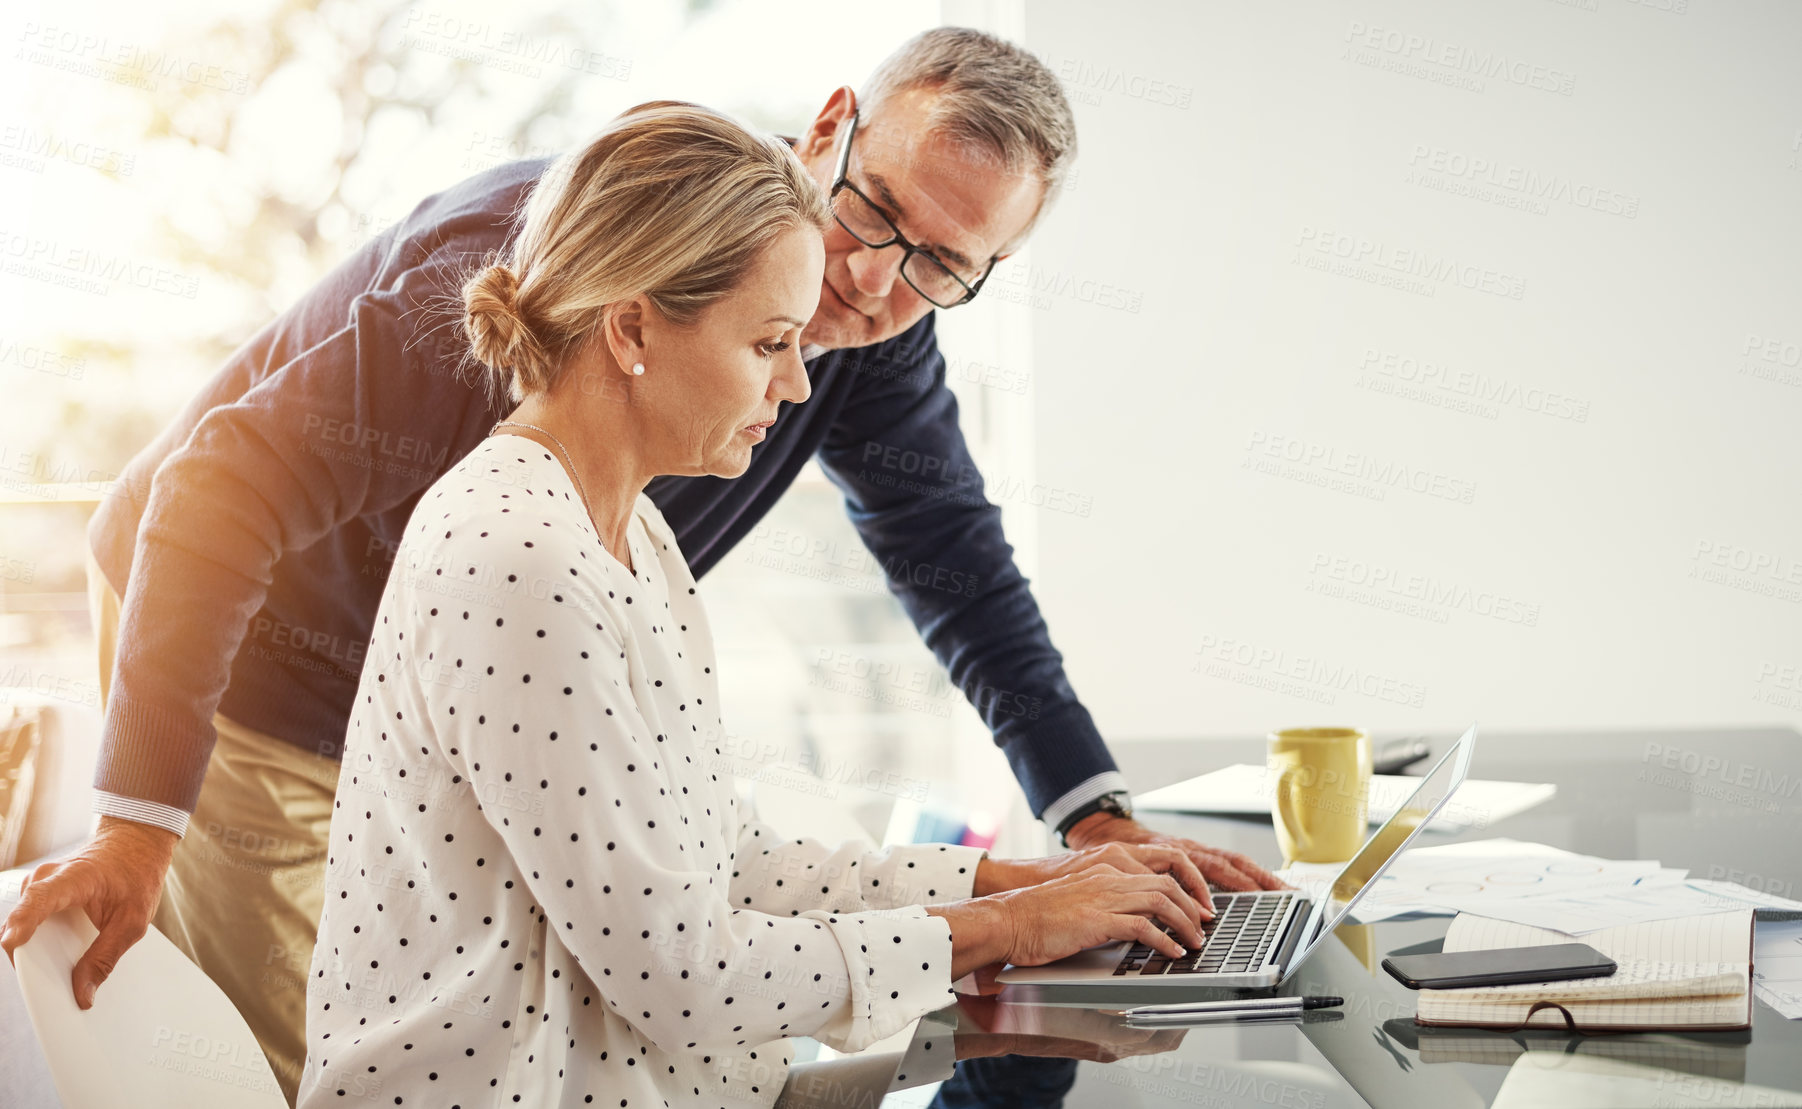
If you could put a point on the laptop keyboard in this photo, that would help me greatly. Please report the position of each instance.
(1238, 939)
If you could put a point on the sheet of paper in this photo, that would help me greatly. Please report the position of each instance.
(1605, 907)
(1246, 789)
(1733, 895)
(1391, 899)
(1556, 1080)
(1777, 965)
(160, 1034)
(1538, 885)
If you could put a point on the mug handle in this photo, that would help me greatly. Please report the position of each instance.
(1286, 811)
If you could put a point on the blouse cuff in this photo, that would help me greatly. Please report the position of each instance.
(907, 971)
(920, 874)
(932, 1056)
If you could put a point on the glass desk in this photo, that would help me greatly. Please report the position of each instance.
(1725, 803)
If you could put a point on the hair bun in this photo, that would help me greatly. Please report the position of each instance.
(499, 335)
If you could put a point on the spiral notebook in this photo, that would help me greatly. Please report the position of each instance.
(1687, 972)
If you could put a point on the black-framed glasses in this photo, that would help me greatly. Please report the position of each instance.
(871, 226)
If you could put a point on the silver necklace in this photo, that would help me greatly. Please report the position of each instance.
(570, 462)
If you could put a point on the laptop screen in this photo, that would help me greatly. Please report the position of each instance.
(1373, 858)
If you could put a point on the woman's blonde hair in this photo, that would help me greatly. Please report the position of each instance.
(672, 201)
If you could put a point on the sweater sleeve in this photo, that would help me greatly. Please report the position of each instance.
(789, 876)
(615, 857)
(919, 502)
(357, 422)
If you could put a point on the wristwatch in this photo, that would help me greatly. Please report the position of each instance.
(1118, 802)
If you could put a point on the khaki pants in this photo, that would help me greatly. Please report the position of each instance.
(247, 883)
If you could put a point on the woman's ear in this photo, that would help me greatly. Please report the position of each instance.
(623, 332)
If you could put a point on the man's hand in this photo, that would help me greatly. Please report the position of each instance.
(1000, 875)
(1226, 869)
(117, 879)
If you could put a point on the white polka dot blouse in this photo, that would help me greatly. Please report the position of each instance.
(539, 889)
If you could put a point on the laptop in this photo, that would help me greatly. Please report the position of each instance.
(1262, 937)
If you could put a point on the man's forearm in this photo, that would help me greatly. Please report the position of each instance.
(1108, 781)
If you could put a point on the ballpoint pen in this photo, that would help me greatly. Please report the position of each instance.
(1240, 1016)
(1237, 1005)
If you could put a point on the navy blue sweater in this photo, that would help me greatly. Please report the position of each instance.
(253, 563)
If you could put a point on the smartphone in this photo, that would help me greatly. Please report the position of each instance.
(1499, 967)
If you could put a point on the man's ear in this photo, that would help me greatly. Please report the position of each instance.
(623, 332)
(822, 134)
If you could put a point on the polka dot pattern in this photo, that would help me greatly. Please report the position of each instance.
(539, 889)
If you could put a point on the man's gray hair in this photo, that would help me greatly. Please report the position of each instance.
(991, 95)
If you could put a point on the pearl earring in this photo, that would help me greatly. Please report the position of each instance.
(638, 368)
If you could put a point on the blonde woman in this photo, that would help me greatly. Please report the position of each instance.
(538, 890)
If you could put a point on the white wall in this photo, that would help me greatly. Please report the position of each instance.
(1644, 427)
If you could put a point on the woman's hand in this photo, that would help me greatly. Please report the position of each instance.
(1032, 926)
(1001, 875)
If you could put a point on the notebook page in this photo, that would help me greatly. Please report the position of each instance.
(1682, 956)
(1683, 972)
(1718, 1011)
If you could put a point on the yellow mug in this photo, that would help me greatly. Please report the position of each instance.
(1321, 778)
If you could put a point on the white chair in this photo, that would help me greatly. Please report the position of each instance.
(160, 1034)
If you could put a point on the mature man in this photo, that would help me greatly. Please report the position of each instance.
(252, 572)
